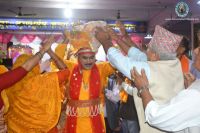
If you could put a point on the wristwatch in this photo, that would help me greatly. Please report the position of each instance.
(141, 90)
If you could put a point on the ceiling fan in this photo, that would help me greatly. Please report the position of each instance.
(20, 14)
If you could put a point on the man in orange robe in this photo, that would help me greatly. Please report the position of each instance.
(85, 92)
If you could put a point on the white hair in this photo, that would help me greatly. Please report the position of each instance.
(163, 55)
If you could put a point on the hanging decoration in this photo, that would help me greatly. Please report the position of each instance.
(62, 24)
(37, 24)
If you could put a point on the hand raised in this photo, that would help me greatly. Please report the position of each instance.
(140, 81)
(101, 34)
(47, 44)
(188, 79)
(112, 33)
(121, 28)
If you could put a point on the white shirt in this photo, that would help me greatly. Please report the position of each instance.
(128, 88)
(125, 64)
(181, 112)
(113, 95)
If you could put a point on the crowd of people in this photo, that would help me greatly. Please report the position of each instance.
(138, 90)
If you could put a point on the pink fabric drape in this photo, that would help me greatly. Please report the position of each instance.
(5, 38)
(31, 37)
(42, 37)
(138, 40)
(19, 37)
(25, 38)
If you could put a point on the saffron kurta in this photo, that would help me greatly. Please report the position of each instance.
(85, 124)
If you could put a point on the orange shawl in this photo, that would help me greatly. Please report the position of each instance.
(33, 104)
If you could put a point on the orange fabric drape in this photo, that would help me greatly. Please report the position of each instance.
(3, 69)
(35, 107)
(185, 64)
(33, 104)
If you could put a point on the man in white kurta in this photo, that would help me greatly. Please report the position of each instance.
(163, 73)
(181, 114)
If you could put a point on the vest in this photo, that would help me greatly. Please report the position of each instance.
(166, 80)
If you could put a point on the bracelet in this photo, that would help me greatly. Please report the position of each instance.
(141, 90)
(39, 54)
